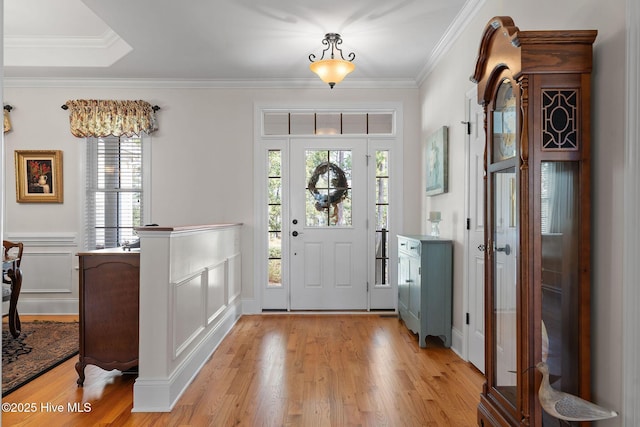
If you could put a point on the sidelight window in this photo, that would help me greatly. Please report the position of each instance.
(274, 182)
(382, 217)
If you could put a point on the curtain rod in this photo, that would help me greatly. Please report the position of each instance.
(64, 107)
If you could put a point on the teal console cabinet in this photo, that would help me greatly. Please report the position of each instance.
(425, 281)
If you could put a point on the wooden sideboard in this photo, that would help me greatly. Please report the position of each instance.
(109, 310)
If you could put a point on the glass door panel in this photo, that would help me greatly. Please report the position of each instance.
(504, 282)
(504, 123)
(560, 274)
(328, 178)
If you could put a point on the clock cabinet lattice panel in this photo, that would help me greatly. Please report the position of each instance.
(560, 119)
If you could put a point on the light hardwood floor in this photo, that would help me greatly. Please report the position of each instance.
(282, 370)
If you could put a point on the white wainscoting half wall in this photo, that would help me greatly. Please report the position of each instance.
(190, 288)
(49, 273)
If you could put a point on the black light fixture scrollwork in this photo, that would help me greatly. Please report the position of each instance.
(335, 68)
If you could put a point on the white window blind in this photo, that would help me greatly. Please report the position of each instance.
(544, 196)
(114, 196)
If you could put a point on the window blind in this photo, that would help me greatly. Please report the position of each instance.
(544, 196)
(114, 195)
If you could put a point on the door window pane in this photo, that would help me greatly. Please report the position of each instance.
(382, 217)
(328, 175)
(354, 123)
(327, 123)
(380, 123)
(274, 183)
(276, 123)
(302, 124)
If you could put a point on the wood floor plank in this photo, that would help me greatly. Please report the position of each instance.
(284, 370)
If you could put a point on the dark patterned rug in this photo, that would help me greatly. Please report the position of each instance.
(41, 346)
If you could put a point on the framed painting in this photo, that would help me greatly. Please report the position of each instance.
(437, 162)
(38, 176)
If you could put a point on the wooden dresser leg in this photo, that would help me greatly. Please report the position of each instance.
(80, 369)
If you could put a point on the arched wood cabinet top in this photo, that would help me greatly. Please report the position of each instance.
(503, 45)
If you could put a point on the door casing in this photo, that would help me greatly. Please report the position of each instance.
(378, 296)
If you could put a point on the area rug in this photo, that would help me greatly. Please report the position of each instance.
(41, 346)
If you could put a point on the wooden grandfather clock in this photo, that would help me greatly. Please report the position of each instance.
(535, 89)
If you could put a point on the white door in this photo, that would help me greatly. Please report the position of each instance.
(475, 255)
(328, 237)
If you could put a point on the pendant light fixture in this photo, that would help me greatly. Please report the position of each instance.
(335, 68)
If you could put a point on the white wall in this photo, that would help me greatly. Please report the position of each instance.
(442, 102)
(202, 160)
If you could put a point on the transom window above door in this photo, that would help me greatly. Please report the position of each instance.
(327, 123)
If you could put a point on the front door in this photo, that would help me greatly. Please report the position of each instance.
(328, 237)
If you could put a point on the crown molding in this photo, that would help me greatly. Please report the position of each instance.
(310, 83)
(460, 22)
(102, 41)
(90, 51)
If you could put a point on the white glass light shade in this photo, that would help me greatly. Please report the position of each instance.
(332, 71)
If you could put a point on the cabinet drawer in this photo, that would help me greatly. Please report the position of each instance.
(409, 246)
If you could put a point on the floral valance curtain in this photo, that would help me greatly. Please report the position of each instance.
(101, 118)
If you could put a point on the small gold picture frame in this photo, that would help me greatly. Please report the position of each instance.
(38, 176)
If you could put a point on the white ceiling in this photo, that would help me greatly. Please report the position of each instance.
(224, 40)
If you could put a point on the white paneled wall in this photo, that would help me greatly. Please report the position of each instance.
(50, 280)
(190, 287)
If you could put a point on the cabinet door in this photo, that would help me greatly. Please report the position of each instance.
(403, 284)
(414, 287)
(503, 229)
(560, 289)
(110, 317)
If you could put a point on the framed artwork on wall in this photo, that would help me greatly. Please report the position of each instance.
(436, 161)
(38, 176)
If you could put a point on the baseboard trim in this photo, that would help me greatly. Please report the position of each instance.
(48, 306)
(160, 395)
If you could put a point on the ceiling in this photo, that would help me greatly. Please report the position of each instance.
(394, 41)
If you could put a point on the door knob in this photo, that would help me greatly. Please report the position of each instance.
(481, 247)
(506, 249)
(294, 234)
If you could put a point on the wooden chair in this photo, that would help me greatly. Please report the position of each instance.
(12, 282)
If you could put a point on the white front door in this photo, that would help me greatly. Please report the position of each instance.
(475, 239)
(328, 219)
